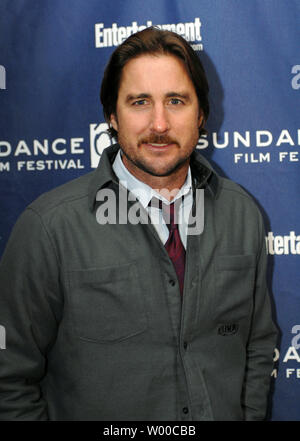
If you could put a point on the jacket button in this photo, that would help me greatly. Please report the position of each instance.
(185, 345)
(172, 282)
(185, 410)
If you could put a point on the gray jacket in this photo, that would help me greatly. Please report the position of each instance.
(94, 322)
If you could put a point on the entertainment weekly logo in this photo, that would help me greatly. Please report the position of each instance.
(115, 35)
(288, 244)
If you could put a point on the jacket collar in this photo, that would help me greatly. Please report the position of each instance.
(203, 175)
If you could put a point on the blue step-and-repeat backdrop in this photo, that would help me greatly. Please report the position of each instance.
(52, 58)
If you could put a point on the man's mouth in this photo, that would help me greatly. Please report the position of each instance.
(158, 144)
(158, 147)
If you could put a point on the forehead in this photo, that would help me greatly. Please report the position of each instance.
(155, 73)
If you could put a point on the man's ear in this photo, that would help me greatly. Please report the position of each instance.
(114, 122)
(201, 118)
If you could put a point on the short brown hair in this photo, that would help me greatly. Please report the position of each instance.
(152, 41)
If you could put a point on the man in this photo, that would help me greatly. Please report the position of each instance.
(140, 320)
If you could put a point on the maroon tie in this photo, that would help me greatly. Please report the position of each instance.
(174, 245)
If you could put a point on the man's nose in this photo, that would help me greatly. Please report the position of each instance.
(160, 121)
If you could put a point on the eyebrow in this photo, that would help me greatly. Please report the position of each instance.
(138, 96)
(178, 95)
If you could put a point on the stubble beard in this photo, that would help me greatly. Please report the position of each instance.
(145, 166)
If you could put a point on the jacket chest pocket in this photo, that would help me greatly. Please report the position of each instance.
(106, 303)
(235, 285)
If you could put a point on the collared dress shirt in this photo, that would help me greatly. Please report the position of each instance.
(144, 193)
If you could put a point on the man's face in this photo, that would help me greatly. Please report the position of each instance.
(157, 116)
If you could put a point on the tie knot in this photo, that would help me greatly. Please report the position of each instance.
(168, 212)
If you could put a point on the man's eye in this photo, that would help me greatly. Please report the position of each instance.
(176, 101)
(139, 103)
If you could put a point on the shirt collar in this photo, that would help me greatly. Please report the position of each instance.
(143, 192)
(202, 174)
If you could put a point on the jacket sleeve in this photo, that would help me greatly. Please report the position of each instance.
(261, 343)
(30, 308)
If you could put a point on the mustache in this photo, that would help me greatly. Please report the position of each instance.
(157, 139)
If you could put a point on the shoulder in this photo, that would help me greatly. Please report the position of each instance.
(230, 190)
(68, 193)
(229, 187)
(235, 205)
(225, 191)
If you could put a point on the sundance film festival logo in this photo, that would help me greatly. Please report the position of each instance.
(291, 355)
(99, 140)
(2, 77)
